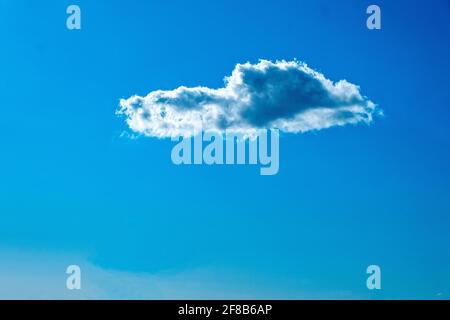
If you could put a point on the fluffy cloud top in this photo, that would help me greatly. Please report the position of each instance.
(284, 95)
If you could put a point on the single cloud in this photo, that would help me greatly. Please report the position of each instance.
(284, 95)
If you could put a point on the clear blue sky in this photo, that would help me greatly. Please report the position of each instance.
(344, 198)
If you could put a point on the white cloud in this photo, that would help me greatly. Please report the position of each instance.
(287, 95)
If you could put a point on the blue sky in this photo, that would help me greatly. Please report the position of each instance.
(73, 191)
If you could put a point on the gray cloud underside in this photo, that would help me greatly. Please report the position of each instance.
(285, 95)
